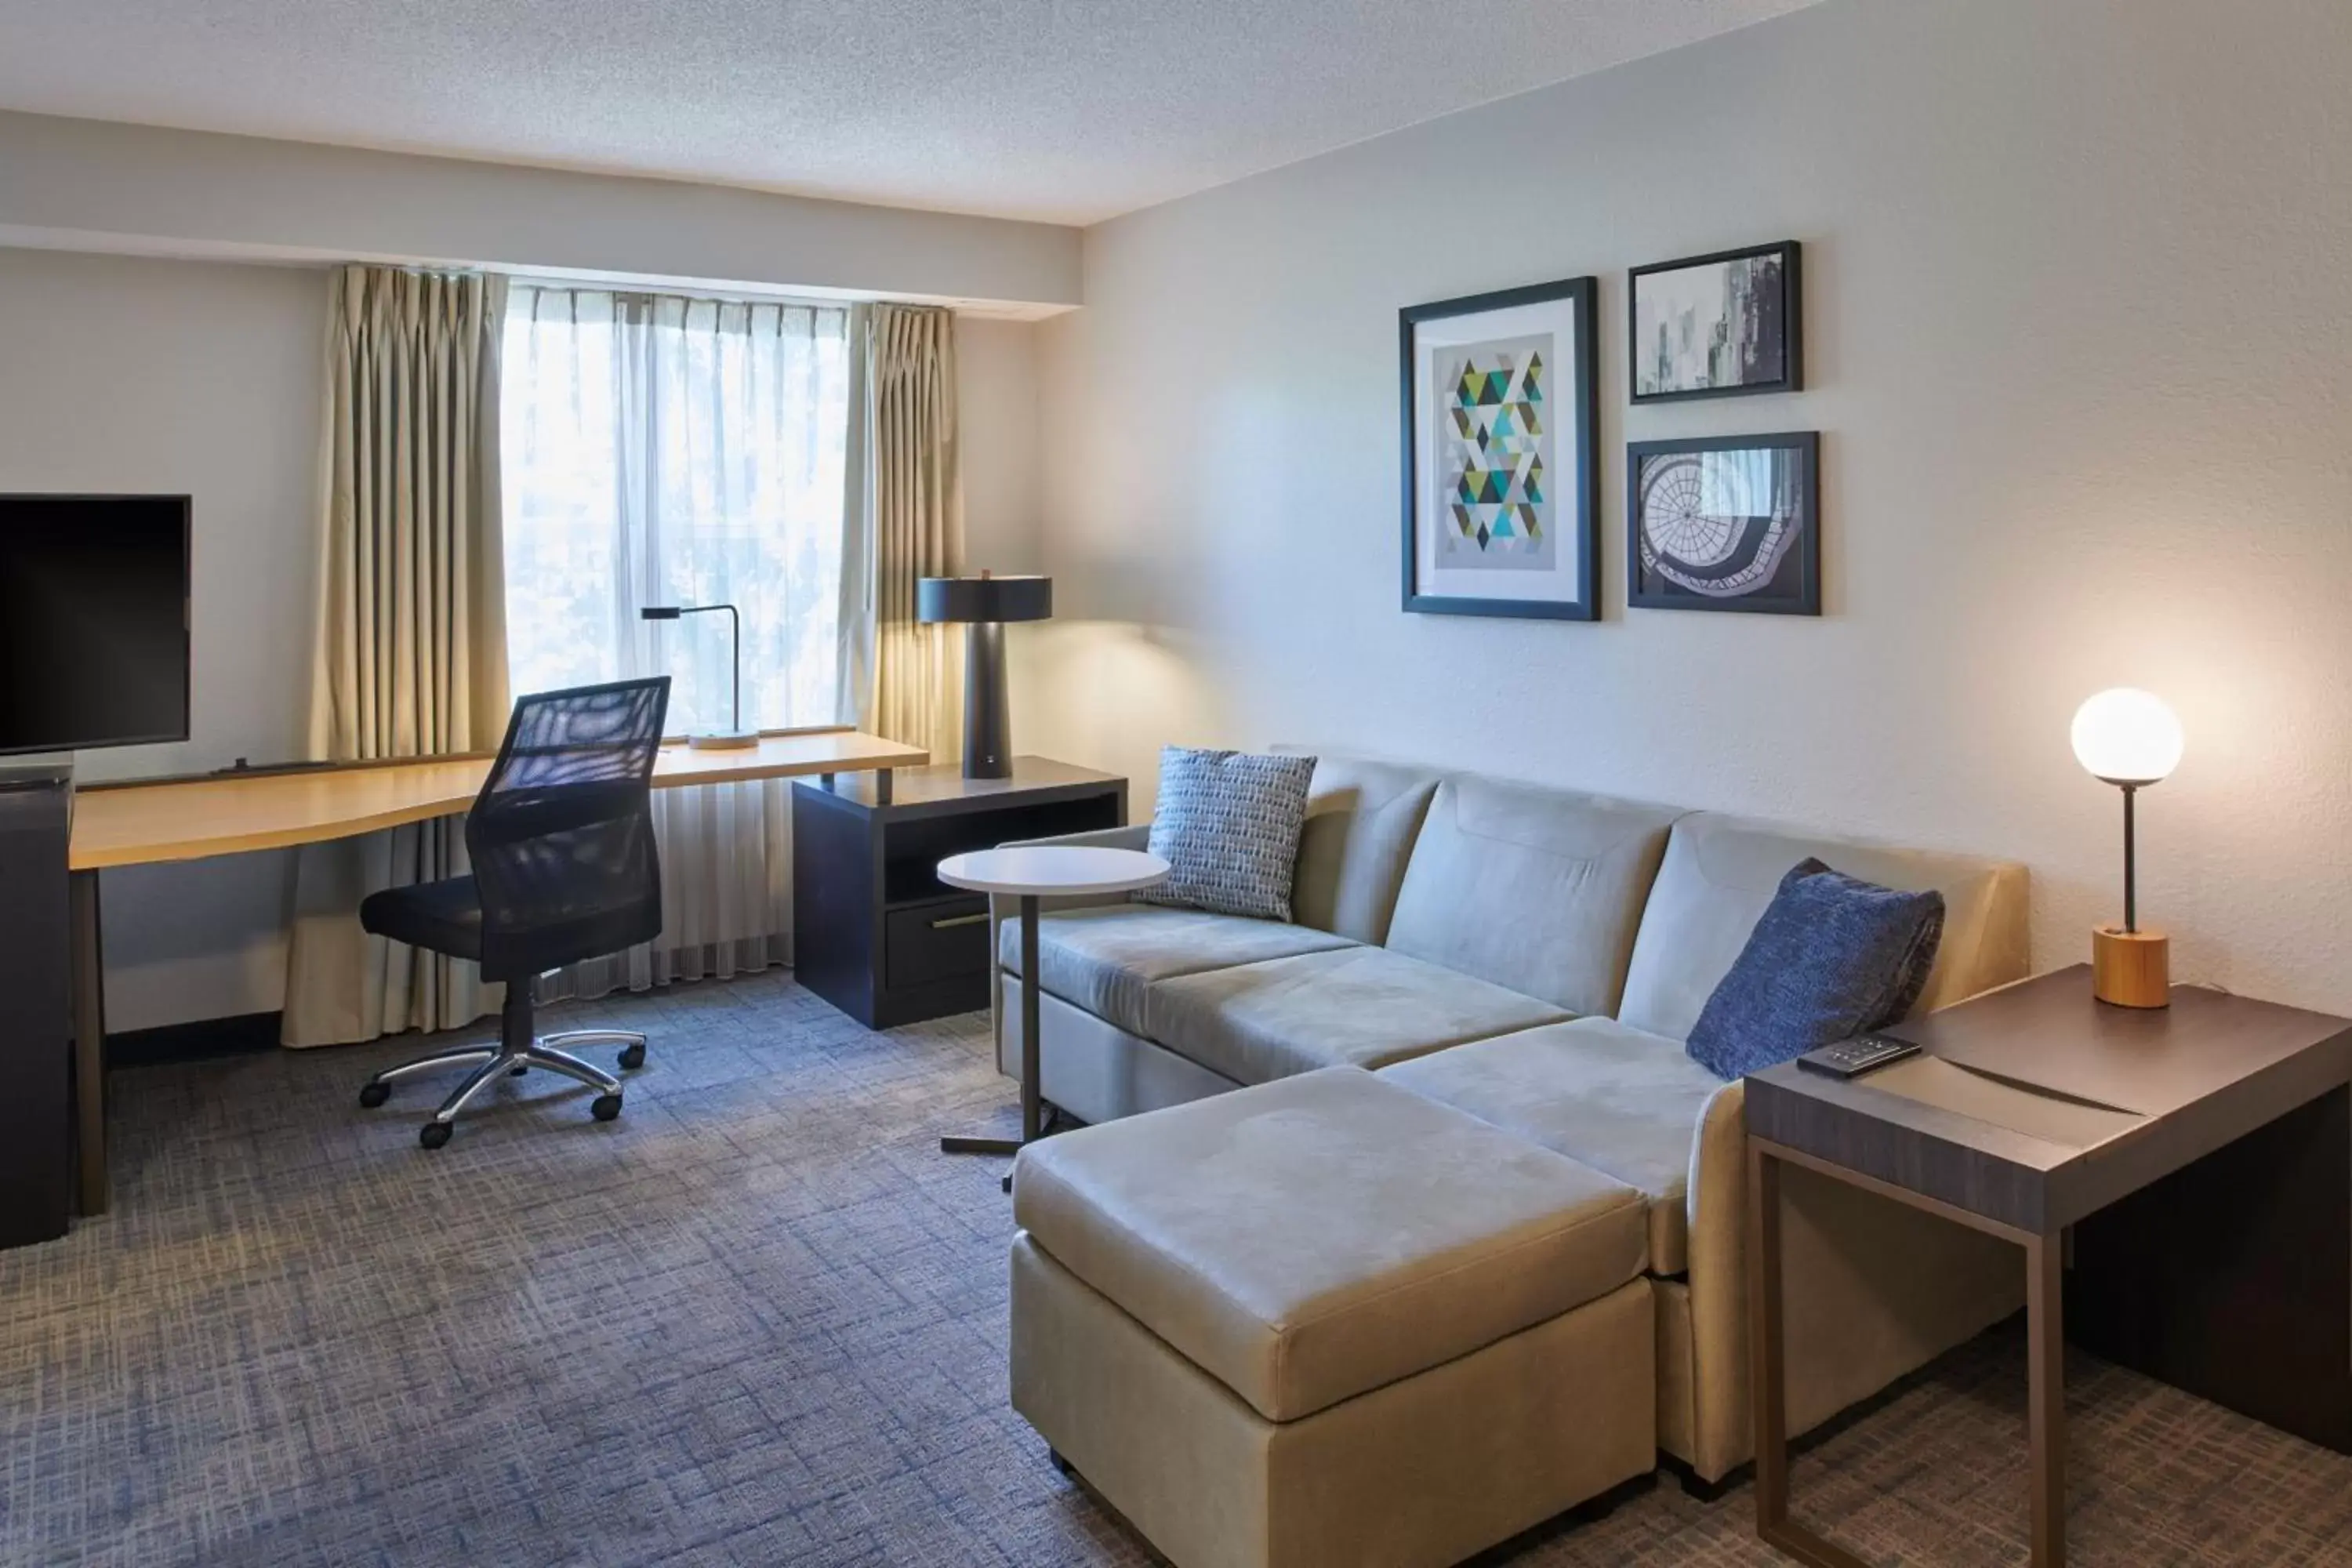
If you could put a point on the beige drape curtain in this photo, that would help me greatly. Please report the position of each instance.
(411, 656)
(906, 521)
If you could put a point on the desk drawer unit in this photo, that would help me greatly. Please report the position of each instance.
(933, 941)
(877, 934)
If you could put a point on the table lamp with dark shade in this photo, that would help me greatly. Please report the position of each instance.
(734, 737)
(983, 604)
(2130, 738)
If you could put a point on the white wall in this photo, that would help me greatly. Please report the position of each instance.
(86, 185)
(1001, 447)
(2077, 338)
(120, 374)
(181, 377)
(996, 428)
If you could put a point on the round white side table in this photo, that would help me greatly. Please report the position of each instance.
(1040, 871)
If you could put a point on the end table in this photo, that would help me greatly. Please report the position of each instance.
(1031, 873)
(2201, 1153)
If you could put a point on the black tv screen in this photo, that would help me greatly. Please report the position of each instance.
(93, 621)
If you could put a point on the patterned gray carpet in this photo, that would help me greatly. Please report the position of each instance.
(761, 1320)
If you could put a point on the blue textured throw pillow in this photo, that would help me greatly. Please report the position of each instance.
(1831, 957)
(1228, 825)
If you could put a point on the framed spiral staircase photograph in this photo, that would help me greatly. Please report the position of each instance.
(1724, 523)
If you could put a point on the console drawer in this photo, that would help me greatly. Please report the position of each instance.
(935, 941)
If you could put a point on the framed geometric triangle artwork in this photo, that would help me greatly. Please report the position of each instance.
(1502, 479)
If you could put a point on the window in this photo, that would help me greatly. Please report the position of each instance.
(666, 450)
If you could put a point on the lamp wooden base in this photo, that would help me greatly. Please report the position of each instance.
(2131, 968)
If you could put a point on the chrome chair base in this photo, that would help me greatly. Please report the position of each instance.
(492, 1061)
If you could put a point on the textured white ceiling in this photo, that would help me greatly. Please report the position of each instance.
(1069, 111)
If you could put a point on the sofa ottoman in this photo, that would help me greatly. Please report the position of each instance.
(1328, 1321)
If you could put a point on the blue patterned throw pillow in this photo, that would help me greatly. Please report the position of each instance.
(1831, 957)
(1228, 827)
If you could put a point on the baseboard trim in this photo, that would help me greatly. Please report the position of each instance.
(204, 1039)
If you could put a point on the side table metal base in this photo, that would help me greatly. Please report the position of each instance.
(1031, 872)
(972, 1143)
(1034, 1111)
(955, 1144)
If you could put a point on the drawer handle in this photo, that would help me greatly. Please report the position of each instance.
(953, 920)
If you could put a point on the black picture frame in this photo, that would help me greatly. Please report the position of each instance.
(1795, 586)
(1790, 306)
(1581, 499)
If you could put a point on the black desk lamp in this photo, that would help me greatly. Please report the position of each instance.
(984, 604)
(736, 737)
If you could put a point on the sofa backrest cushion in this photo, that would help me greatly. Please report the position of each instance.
(1721, 871)
(1534, 889)
(1362, 819)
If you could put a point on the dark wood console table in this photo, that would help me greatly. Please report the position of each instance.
(878, 934)
(2200, 1154)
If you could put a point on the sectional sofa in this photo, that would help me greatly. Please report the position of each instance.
(1439, 1122)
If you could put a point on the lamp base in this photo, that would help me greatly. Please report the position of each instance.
(2131, 968)
(987, 745)
(724, 739)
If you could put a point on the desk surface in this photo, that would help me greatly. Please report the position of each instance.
(135, 824)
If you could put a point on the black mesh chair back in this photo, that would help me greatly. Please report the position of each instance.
(563, 835)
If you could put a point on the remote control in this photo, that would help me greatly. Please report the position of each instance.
(1853, 1057)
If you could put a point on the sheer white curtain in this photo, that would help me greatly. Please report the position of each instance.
(659, 449)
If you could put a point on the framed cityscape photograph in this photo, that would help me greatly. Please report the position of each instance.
(1501, 459)
(1727, 325)
(1731, 523)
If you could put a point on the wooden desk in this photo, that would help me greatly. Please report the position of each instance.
(227, 813)
(2200, 1154)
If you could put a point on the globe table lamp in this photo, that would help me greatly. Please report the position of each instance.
(2131, 740)
(983, 604)
(734, 737)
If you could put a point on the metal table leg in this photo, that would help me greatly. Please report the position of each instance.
(2045, 1355)
(1032, 1101)
(1768, 1374)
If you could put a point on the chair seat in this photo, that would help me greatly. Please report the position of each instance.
(1307, 1240)
(1103, 958)
(441, 917)
(1627, 1103)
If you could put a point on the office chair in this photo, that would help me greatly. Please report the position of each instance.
(565, 868)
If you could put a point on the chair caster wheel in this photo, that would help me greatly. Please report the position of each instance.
(433, 1134)
(606, 1107)
(374, 1094)
(517, 1070)
(633, 1056)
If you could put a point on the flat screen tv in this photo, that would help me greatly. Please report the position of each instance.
(93, 621)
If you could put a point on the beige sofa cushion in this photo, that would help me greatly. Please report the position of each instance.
(1537, 889)
(1362, 819)
(1720, 872)
(1626, 1103)
(1305, 1241)
(1366, 1006)
(1102, 958)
